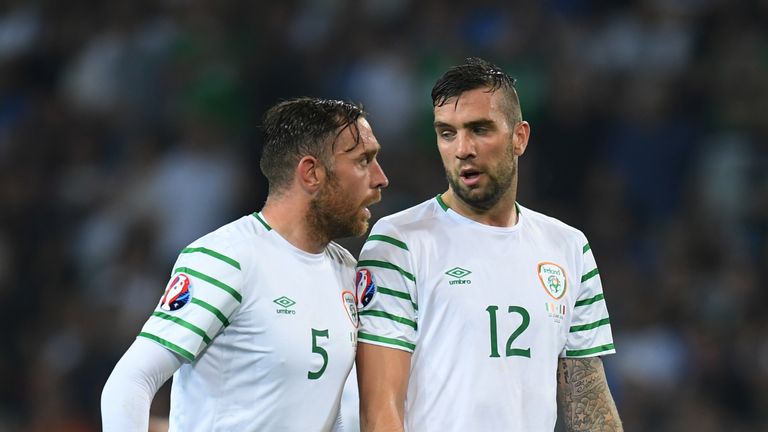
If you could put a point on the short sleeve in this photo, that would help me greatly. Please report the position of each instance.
(590, 331)
(386, 290)
(203, 292)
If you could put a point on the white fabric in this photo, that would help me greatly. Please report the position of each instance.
(128, 393)
(263, 319)
(471, 302)
(348, 419)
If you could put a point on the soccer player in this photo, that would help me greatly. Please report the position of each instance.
(258, 324)
(476, 313)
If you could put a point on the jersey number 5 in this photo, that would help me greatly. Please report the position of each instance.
(318, 350)
(522, 352)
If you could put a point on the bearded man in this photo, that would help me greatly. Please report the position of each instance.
(258, 324)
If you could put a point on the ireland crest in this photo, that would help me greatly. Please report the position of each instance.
(350, 305)
(553, 279)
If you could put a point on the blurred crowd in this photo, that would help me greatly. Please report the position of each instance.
(129, 128)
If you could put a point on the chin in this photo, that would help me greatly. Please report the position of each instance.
(360, 229)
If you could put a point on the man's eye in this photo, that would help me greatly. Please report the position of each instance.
(446, 134)
(480, 130)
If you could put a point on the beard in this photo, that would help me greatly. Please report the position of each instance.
(499, 182)
(332, 216)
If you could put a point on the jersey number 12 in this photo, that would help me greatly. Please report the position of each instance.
(522, 352)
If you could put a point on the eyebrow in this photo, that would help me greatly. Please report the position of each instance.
(372, 152)
(367, 150)
(467, 125)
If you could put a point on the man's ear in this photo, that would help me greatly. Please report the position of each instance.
(520, 135)
(310, 173)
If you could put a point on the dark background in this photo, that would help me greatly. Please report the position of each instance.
(128, 128)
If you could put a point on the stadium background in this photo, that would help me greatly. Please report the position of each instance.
(130, 127)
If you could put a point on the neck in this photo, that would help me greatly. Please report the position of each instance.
(288, 218)
(501, 214)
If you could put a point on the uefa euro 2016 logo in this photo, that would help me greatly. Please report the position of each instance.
(366, 287)
(176, 294)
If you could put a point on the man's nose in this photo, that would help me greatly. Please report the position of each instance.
(465, 147)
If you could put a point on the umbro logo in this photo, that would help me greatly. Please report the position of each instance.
(459, 274)
(286, 304)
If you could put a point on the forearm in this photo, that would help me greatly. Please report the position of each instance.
(584, 398)
(383, 380)
(387, 418)
(128, 393)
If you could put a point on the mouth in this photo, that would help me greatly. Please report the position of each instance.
(366, 211)
(470, 176)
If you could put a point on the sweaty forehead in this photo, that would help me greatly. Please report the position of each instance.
(473, 103)
(358, 137)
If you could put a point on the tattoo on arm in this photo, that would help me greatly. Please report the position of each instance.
(584, 398)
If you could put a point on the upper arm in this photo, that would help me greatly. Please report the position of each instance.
(583, 396)
(590, 329)
(200, 299)
(386, 290)
(382, 375)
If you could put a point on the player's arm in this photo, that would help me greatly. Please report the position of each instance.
(128, 393)
(382, 375)
(583, 396)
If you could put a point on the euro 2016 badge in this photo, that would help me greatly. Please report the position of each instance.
(553, 279)
(176, 293)
(366, 287)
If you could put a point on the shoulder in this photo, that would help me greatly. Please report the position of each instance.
(237, 237)
(409, 219)
(340, 255)
(552, 226)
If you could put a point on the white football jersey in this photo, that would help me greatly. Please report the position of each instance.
(486, 311)
(269, 331)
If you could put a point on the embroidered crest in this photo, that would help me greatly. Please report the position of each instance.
(553, 279)
(350, 305)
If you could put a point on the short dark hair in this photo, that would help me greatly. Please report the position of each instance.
(300, 127)
(477, 73)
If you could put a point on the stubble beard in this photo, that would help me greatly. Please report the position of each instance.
(486, 198)
(332, 217)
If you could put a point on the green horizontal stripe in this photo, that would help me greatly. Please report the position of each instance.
(590, 326)
(394, 293)
(386, 265)
(590, 275)
(195, 329)
(263, 222)
(214, 254)
(588, 351)
(398, 294)
(586, 247)
(211, 309)
(211, 281)
(386, 340)
(389, 316)
(589, 301)
(388, 239)
(172, 346)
